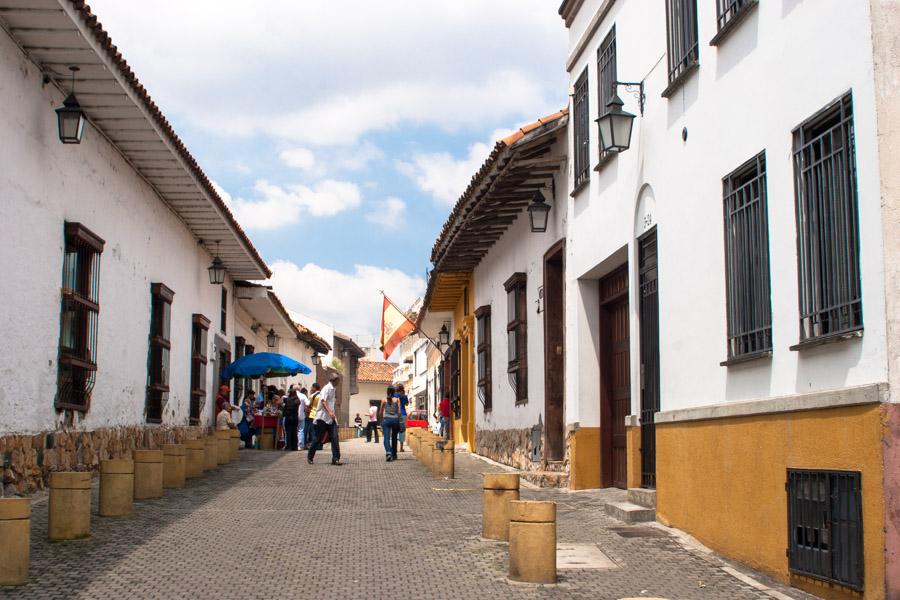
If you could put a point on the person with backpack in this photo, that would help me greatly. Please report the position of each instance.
(290, 410)
(390, 423)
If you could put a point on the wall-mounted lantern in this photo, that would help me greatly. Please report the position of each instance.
(444, 338)
(271, 339)
(316, 359)
(538, 212)
(70, 117)
(217, 269)
(615, 127)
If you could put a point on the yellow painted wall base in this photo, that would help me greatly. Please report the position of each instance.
(633, 447)
(584, 459)
(723, 481)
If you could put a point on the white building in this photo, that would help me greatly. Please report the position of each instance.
(732, 276)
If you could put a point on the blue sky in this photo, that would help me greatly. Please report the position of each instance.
(341, 132)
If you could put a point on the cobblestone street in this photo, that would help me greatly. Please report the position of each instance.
(271, 526)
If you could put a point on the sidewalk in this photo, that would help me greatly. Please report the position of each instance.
(272, 526)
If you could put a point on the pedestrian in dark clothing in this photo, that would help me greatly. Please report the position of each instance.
(290, 409)
(326, 424)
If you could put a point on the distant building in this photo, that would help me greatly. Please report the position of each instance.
(374, 379)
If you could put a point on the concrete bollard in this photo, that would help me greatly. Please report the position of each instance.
(174, 467)
(15, 540)
(427, 452)
(193, 464)
(532, 541)
(235, 443)
(210, 453)
(70, 506)
(443, 459)
(116, 487)
(499, 490)
(148, 474)
(223, 448)
(267, 439)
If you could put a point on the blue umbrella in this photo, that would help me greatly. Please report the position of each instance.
(264, 364)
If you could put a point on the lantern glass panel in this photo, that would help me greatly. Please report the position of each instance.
(71, 125)
(621, 130)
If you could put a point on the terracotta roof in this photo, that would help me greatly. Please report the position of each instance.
(310, 336)
(103, 40)
(349, 344)
(371, 371)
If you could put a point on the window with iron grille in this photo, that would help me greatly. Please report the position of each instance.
(483, 335)
(681, 38)
(160, 348)
(827, 224)
(747, 260)
(727, 11)
(224, 316)
(516, 336)
(199, 332)
(581, 130)
(79, 318)
(825, 530)
(240, 346)
(606, 69)
(454, 373)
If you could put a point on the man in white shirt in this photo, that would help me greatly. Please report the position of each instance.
(304, 411)
(373, 424)
(326, 423)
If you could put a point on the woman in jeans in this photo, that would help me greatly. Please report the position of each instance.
(390, 424)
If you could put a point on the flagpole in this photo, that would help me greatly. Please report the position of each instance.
(415, 325)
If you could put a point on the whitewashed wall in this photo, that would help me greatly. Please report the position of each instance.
(519, 250)
(44, 183)
(745, 98)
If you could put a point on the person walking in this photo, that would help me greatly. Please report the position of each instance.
(246, 426)
(326, 423)
(372, 426)
(445, 418)
(404, 402)
(390, 423)
(302, 418)
(290, 408)
(311, 435)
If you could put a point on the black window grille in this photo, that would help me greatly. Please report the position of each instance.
(454, 385)
(160, 348)
(825, 530)
(728, 10)
(199, 333)
(517, 336)
(79, 318)
(581, 129)
(606, 67)
(747, 260)
(483, 334)
(827, 223)
(240, 384)
(224, 315)
(681, 37)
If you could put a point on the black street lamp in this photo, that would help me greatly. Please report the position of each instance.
(615, 127)
(538, 212)
(70, 117)
(443, 337)
(271, 338)
(316, 359)
(217, 269)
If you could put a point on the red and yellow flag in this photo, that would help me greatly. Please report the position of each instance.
(394, 327)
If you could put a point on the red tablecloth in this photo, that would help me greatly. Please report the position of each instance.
(260, 421)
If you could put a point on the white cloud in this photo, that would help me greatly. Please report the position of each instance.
(278, 206)
(446, 177)
(390, 212)
(351, 301)
(331, 160)
(299, 158)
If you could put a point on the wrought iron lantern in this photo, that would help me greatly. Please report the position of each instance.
(615, 127)
(316, 359)
(271, 339)
(217, 269)
(444, 337)
(538, 212)
(70, 117)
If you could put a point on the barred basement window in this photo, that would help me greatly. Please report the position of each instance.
(606, 68)
(79, 318)
(199, 332)
(747, 260)
(483, 335)
(827, 224)
(825, 530)
(160, 348)
(517, 337)
(581, 130)
(681, 40)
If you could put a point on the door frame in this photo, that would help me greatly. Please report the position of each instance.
(557, 250)
(605, 347)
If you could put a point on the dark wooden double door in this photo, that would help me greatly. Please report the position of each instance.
(615, 377)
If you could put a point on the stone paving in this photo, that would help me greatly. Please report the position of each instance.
(272, 526)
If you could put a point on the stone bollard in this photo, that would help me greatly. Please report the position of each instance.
(499, 490)
(532, 541)
(235, 443)
(210, 453)
(70, 506)
(267, 439)
(148, 474)
(174, 467)
(15, 540)
(427, 451)
(193, 464)
(443, 460)
(223, 446)
(116, 487)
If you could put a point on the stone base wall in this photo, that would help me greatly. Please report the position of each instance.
(27, 460)
(508, 446)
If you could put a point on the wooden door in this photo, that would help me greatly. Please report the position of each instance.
(554, 353)
(615, 377)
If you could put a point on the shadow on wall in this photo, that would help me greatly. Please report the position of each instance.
(740, 44)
